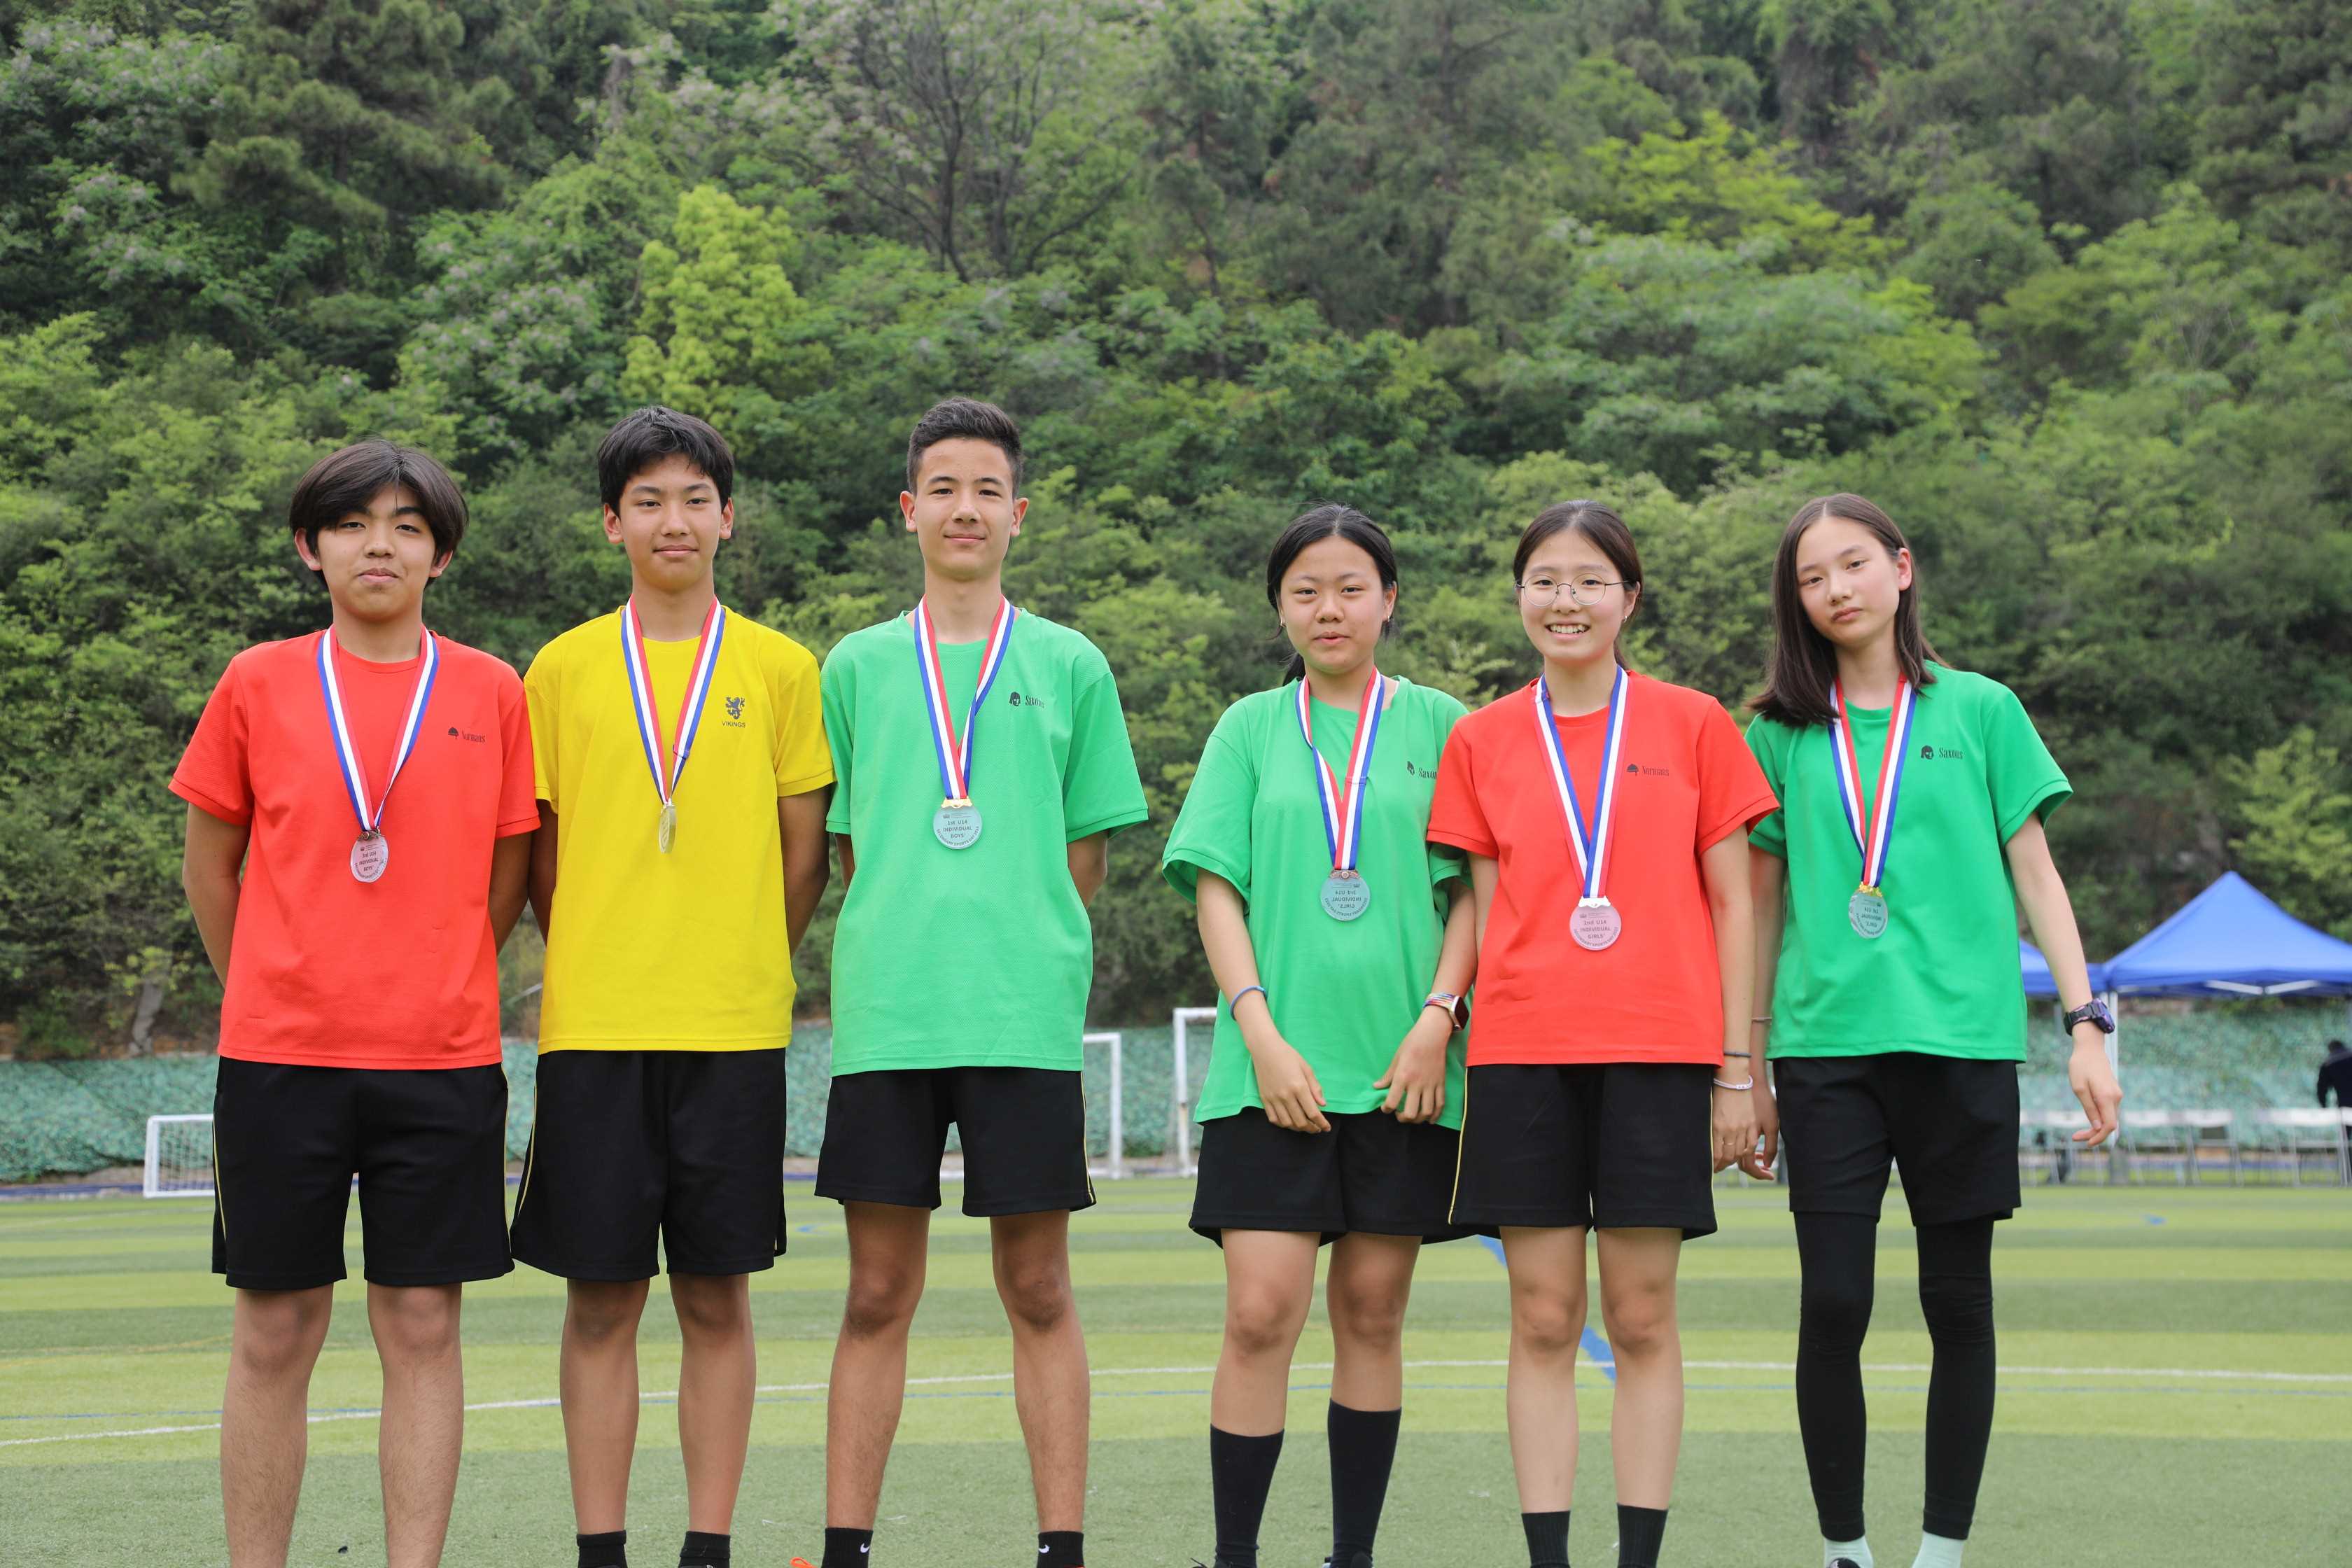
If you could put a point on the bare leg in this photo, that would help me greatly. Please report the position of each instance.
(1371, 1281)
(1031, 1254)
(1269, 1286)
(415, 1329)
(718, 1372)
(1637, 1305)
(1547, 1266)
(265, 1419)
(599, 1384)
(886, 1247)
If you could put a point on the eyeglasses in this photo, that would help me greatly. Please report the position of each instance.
(1585, 590)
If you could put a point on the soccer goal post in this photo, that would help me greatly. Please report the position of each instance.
(1181, 1022)
(179, 1157)
(1113, 1045)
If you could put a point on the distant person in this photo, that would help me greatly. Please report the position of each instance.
(984, 765)
(2336, 1075)
(682, 780)
(1341, 941)
(1604, 814)
(358, 838)
(1888, 991)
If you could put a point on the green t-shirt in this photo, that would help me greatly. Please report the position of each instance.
(1344, 993)
(1943, 979)
(982, 956)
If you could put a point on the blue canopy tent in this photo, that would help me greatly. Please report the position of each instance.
(2230, 941)
(2038, 983)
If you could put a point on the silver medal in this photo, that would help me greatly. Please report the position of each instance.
(1595, 925)
(369, 856)
(1345, 896)
(956, 823)
(665, 827)
(1867, 912)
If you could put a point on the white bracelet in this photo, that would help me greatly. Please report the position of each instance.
(1749, 1084)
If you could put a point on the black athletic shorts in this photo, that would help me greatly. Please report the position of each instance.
(1371, 1173)
(629, 1146)
(1023, 1131)
(428, 1145)
(1611, 1145)
(1950, 1121)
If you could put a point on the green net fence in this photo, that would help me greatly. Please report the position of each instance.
(64, 1119)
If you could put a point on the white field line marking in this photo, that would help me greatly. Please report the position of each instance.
(2222, 1373)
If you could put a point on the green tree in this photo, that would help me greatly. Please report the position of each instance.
(2292, 810)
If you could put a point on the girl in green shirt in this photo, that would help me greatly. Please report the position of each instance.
(1341, 942)
(1888, 988)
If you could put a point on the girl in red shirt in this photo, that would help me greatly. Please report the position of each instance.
(1604, 814)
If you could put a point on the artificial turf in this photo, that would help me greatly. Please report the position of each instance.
(2177, 1388)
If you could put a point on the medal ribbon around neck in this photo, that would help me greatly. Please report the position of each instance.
(954, 751)
(1591, 849)
(346, 757)
(1343, 808)
(698, 692)
(1874, 833)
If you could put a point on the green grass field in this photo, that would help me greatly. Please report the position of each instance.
(2177, 1388)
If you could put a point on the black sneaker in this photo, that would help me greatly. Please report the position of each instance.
(1360, 1560)
(1844, 1562)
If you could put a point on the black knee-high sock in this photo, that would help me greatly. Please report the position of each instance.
(1241, 1472)
(1640, 1532)
(1364, 1452)
(1547, 1536)
(607, 1550)
(1837, 1253)
(1956, 1296)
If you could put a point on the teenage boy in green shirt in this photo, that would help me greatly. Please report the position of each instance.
(983, 764)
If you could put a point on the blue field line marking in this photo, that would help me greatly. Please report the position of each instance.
(1596, 1349)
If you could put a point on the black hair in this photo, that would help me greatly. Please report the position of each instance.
(965, 420)
(1804, 662)
(2334, 1045)
(1327, 520)
(1598, 522)
(644, 438)
(349, 480)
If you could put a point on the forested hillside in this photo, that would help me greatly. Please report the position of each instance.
(2062, 283)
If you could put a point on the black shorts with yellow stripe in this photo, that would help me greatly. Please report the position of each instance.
(642, 1157)
(427, 1144)
(1023, 1131)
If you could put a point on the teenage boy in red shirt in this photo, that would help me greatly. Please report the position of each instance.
(360, 809)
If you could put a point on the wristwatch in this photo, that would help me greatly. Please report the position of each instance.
(2092, 1012)
(1456, 1008)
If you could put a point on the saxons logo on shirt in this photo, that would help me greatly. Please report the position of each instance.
(1017, 700)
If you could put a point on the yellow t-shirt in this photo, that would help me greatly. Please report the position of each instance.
(682, 951)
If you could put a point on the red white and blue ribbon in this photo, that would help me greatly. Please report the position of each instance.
(346, 755)
(668, 764)
(1874, 833)
(954, 751)
(1343, 808)
(1592, 847)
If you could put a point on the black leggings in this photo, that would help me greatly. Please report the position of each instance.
(1838, 1252)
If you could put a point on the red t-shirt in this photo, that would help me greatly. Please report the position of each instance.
(324, 970)
(1686, 781)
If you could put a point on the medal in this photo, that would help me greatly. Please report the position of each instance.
(1596, 922)
(371, 856)
(1345, 895)
(956, 823)
(648, 711)
(1866, 911)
